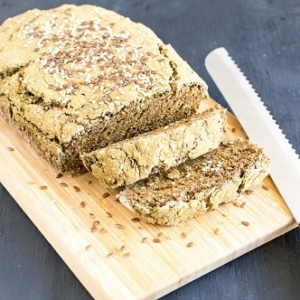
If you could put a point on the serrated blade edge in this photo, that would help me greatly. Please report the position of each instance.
(259, 125)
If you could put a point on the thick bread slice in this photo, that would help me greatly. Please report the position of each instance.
(133, 159)
(198, 185)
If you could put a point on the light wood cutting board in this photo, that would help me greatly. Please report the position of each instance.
(117, 258)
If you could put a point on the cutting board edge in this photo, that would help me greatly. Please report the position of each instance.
(94, 289)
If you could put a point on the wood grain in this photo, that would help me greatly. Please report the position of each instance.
(119, 258)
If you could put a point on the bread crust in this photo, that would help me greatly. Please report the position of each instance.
(201, 184)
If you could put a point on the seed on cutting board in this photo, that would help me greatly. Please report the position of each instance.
(105, 195)
(157, 240)
(135, 220)
(59, 175)
(144, 240)
(93, 229)
(122, 248)
(63, 184)
(108, 214)
(243, 204)
(96, 223)
(10, 149)
(190, 244)
(82, 204)
(91, 215)
(89, 182)
(126, 254)
(245, 223)
(233, 129)
(217, 231)
(160, 234)
(248, 192)
(43, 187)
(76, 188)
(183, 235)
(265, 187)
(87, 247)
(111, 254)
(103, 230)
(120, 226)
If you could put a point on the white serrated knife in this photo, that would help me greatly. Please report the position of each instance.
(259, 125)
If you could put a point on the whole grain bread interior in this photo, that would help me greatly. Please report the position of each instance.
(77, 78)
(137, 158)
(198, 186)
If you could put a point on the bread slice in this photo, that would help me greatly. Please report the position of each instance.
(133, 159)
(198, 185)
(77, 78)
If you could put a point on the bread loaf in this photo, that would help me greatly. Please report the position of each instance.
(137, 158)
(77, 78)
(198, 185)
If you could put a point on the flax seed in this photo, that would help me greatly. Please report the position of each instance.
(108, 214)
(217, 231)
(96, 223)
(265, 187)
(144, 240)
(103, 230)
(249, 192)
(160, 234)
(120, 226)
(183, 235)
(93, 229)
(128, 254)
(76, 188)
(63, 184)
(91, 215)
(243, 204)
(43, 187)
(105, 195)
(157, 240)
(59, 175)
(245, 223)
(82, 204)
(10, 149)
(190, 244)
(111, 254)
(87, 247)
(135, 220)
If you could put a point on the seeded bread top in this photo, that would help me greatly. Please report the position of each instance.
(87, 61)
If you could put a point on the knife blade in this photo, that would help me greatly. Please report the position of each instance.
(259, 125)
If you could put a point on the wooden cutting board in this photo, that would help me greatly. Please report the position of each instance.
(117, 258)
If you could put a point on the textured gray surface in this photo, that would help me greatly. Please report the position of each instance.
(263, 37)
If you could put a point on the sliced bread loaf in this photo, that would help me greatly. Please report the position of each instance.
(133, 159)
(198, 185)
(77, 78)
